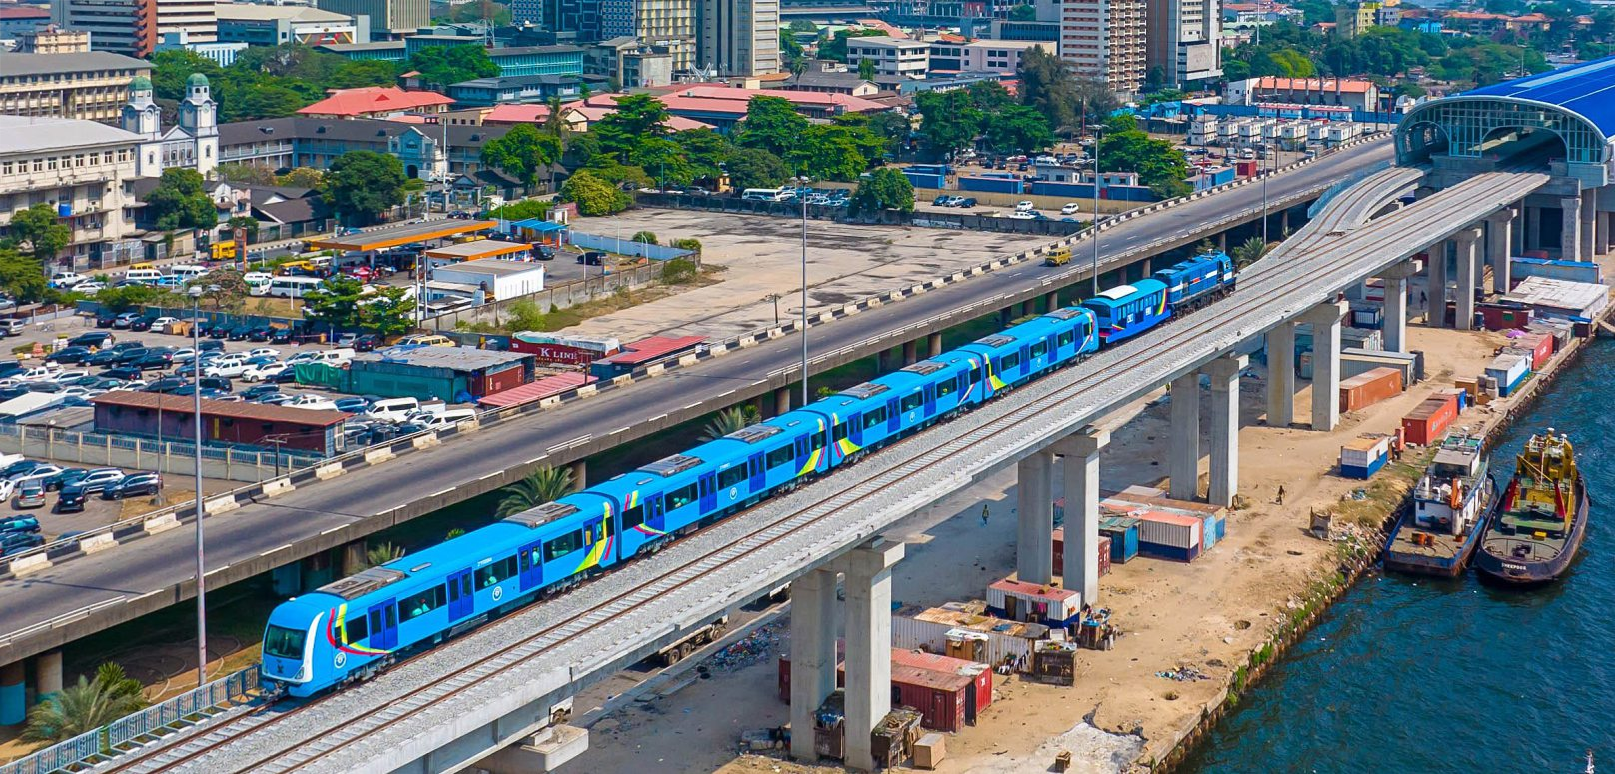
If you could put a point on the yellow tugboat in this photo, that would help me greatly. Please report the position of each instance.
(1541, 518)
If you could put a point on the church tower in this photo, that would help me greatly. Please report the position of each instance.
(142, 116)
(198, 117)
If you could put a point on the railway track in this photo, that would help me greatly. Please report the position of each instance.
(1264, 284)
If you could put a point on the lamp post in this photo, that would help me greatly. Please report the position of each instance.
(1264, 203)
(1093, 230)
(196, 475)
(802, 181)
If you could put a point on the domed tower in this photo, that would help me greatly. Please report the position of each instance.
(198, 117)
(142, 116)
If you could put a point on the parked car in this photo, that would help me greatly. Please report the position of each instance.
(140, 324)
(154, 360)
(218, 331)
(941, 201)
(133, 485)
(72, 498)
(216, 384)
(230, 365)
(13, 327)
(16, 543)
(263, 371)
(260, 333)
(125, 320)
(40, 473)
(212, 346)
(19, 524)
(1024, 206)
(240, 332)
(353, 404)
(127, 373)
(105, 319)
(68, 355)
(30, 494)
(130, 355)
(592, 258)
(98, 479)
(167, 384)
(366, 343)
(105, 357)
(260, 390)
(1071, 208)
(64, 477)
(92, 340)
(19, 468)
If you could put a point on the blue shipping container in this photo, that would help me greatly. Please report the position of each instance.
(1007, 185)
(1574, 271)
(925, 179)
(1129, 193)
(1072, 190)
(1354, 471)
(1123, 542)
(1162, 551)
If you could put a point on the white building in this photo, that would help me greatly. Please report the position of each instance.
(134, 27)
(194, 143)
(983, 56)
(81, 169)
(1104, 40)
(272, 25)
(1184, 39)
(495, 279)
(892, 56)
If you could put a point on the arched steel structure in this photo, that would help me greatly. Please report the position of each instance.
(1459, 125)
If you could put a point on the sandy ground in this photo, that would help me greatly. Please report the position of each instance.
(763, 257)
(1209, 614)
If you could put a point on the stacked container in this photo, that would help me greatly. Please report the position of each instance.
(1122, 531)
(1369, 387)
(1104, 552)
(1428, 421)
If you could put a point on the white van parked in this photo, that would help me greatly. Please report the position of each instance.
(442, 420)
(394, 409)
(188, 273)
(767, 194)
(335, 358)
(143, 276)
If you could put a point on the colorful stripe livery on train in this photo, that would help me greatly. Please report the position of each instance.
(350, 629)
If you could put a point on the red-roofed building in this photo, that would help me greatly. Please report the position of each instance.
(376, 102)
(1349, 92)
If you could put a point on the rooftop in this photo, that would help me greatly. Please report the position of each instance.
(21, 134)
(502, 266)
(220, 408)
(478, 249)
(455, 358)
(1584, 89)
(379, 45)
(374, 99)
(24, 12)
(12, 65)
(1325, 85)
(296, 13)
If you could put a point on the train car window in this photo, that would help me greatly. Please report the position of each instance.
(780, 456)
(874, 417)
(633, 517)
(356, 629)
(417, 605)
(731, 477)
(681, 497)
(975, 374)
(562, 545)
(946, 387)
(817, 440)
(1065, 339)
(1040, 349)
(838, 432)
(1009, 361)
(504, 569)
(911, 402)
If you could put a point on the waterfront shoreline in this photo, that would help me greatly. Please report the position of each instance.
(1330, 585)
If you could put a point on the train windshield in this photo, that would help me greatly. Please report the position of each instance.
(282, 642)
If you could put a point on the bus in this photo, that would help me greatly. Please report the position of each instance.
(292, 287)
(768, 194)
(224, 251)
(1058, 256)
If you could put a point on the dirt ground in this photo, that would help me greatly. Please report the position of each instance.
(763, 257)
(1208, 614)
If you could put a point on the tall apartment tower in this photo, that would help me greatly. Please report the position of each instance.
(1104, 40)
(1183, 39)
(738, 37)
(669, 23)
(388, 18)
(133, 27)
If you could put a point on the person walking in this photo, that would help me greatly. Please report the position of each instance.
(983, 514)
(1281, 494)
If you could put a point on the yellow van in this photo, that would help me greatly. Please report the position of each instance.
(294, 268)
(428, 340)
(224, 251)
(143, 265)
(1058, 256)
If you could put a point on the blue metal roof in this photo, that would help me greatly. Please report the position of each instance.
(1586, 89)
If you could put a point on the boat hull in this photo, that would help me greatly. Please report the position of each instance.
(1414, 563)
(1518, 572)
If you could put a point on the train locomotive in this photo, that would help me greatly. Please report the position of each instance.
(354, 627)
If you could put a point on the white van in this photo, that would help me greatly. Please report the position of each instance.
(442, 420)
(188, 273)
(144, 276)
(394, 409)
(766, 194)
(335, 358)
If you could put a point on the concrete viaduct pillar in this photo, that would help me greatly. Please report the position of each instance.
(1498, 244)
(48, 673)
(354, 556)
(933, 345)
(813, 654)
(1465, 241)
(1183, 458)
(1570, 228)
(909, 353)
(1034, 542)
(1589, 224)
(1281, 375)
(1395, 280)
(869, 646)
(1080, 453)
(580, 475)
(1325, 322)
(1436, 290)
(782, 400)
(1224, 373)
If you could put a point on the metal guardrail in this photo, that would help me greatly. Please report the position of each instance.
(135, 528)
(131, 731)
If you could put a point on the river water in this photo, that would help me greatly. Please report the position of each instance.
(1419, 675)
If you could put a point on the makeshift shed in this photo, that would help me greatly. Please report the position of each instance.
(451, 374)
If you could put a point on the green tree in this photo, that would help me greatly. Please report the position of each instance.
(884, 189)
(1016, 128)
(892, 128)
(302, 177)
(644, 237)
(362, 185)
(948, 121)
(638, 117)
(665, 161)
(246, 174)
(85, 706)
(756, 168)
(593, 195)
(803, 27)
(522, 210)
(180, 201)
(830, 153)
(1023, 13)
(225, 290)
(44, 232)
(617, 175)
(1095, 102)
(1249, 251)
(866, 69)
(989, 96)
(522, 153)
(336, 302)
(22, 277)
(1047, 87)
(127, 297)
(771, 124)
(790, 51)
(388, 311)
(444, 65)
(703, 150)
(835, 48)
(1159, 165)
(729, 420)
(544, 485)
(383, 553)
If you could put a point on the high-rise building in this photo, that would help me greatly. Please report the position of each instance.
(1183, 40)
(133, 27)
(53, 40)
(91, 86)
(738, 37)
(81, 169)
(387, 17)
(661, 23)
(1104, 40)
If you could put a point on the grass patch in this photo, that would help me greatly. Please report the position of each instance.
(1386, 492)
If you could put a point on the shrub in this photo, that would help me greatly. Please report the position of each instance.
(645, 237)
(678, 271)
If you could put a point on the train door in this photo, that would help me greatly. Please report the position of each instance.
(708, 489)
(460, 602)
(656, 519)
(1026, 360)
(930, 400)
(756, 473)
(894, 416)
(384, 626)
(1052, 345)
(532, 573)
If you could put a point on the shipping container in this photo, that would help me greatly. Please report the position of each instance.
(1575, 271)
(1169, 535)
(1369, 387)
(944, 631)
(1059, 553)
(938, 697)
(1428, 421)
(1363, 456)
(1367, 317)
(1509, 371)
(1123, 534)
(1104, 556)
(979, 695)
(1020, 601)
(1502, 317)
(1354, 362)
(1208, 531)
(1541, 347)
(1007, 185)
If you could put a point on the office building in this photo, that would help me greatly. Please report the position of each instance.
(982, 56)
(134, 27)
(284, 143)
(387, 17)
(51, 39)
(738, 37)
(81, 169)
(1184, 40)
(664, 23)
(221, 53)
(521, 89)
(1104, 40)
(891, 56)
(1353, 19)
(22, 19)
(272, 25)
(91, 86)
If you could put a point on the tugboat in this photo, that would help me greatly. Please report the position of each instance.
(1541, 518)
(1438, 535)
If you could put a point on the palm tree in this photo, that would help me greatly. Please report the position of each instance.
(728, 421)
(544, 485)
(85, 706)
(1249, 251)
(381, 554)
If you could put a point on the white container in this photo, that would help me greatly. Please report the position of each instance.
(1168, 529)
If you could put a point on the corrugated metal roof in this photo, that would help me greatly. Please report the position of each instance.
(478, 249)
(654, 347)
(537, 389)
(24, 134)
(88, 61)
(184, 404)
(456, 358)
(1584, 89)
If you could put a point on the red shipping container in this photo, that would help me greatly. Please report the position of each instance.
(1245, 168)
(938, 696)
(1541, 347)
(1369, 387)
(1059, 553)
(981, 688)
(1426, 423)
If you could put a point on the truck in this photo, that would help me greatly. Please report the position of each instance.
(689, 643)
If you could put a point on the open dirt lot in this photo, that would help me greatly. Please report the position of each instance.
(763, 256)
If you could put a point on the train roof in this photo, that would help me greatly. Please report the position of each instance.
(1194, 261)
(1124, 293)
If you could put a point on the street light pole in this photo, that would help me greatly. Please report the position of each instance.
(196, 475)
(803, 199)
(1093, 229)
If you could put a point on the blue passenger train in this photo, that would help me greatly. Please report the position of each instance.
(352, 628)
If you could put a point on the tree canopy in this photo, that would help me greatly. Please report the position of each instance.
(444, 65)
(1159, 165)
(267, 81)
(361, 185)
(522, 152)
(44, 232)
(884, 189)
(593, 195)
(180, 201)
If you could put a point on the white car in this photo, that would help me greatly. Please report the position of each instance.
(69, 375)
(42, 373)
(163, 322)
(263, 352)
(229, 367)
(66, 279)
(1022, 215)
(184, 354)
(1024, 206)
(312, 402)
(88, 288)
(259, 373)
(1070, 208)
(302, 357)
(38, 474)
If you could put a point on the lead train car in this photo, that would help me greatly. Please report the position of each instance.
(356, 626)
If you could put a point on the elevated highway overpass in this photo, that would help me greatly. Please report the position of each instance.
(470, 698)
